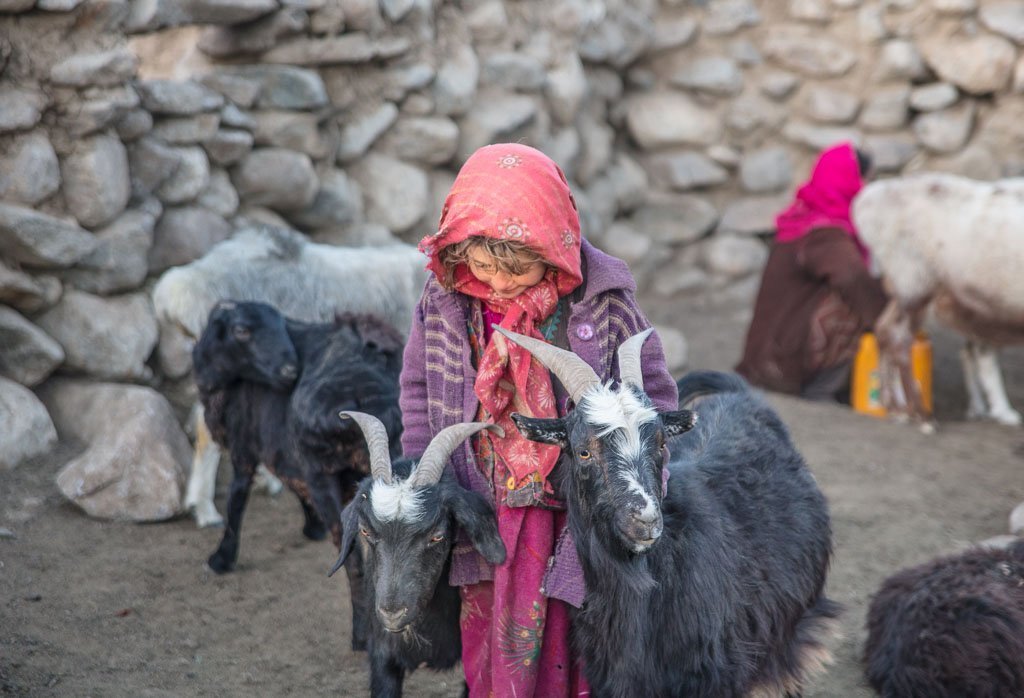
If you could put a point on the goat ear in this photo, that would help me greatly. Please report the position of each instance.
(678, 421)
(349, 527)
(476, 517)
(545, 431)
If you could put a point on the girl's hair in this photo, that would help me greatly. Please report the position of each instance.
(510, 256)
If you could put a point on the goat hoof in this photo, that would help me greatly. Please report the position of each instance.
(1010, 418)
(207, 517)
(220, 563)
(1001, 542)
(317, 532)
(267, 482)
(1017, 520)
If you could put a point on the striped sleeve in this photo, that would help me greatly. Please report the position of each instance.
(625, 319)
(413, 388)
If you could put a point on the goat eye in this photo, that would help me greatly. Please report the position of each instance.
(583, 454)
(363, 532)
(242, 334)
(437, 538)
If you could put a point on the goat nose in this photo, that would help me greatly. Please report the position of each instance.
(647, 516)
(391, 617)
(289, 371)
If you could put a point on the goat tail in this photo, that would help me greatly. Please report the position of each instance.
(807, 654)
(816, 635)
(701, 383)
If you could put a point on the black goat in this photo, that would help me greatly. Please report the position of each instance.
(949, 628)
(246, 366)
(352, 363)
(404, 520)
(715, 588)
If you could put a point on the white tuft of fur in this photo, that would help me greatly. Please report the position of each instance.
(620, 414)
(398, 501)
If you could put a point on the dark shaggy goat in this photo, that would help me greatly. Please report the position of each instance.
(714, 588)
(352, 363)
(403, 520)
(246, 366)
(950, 628)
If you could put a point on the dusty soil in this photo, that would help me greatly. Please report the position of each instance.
(91, 608)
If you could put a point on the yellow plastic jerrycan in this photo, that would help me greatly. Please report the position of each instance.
(865, 384)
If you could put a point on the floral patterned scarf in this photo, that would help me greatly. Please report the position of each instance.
(514, 192)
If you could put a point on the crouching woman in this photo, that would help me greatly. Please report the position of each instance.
(817, 295)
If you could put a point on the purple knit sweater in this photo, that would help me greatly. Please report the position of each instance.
(437, 388)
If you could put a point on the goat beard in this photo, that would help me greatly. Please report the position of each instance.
(629, 571)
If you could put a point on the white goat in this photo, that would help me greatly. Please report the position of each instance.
(304, 280)
(957, 245)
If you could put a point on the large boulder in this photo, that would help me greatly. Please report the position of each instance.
(136, 459)
(104, 337)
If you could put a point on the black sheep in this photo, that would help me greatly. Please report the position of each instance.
(950, 628)
(714, 588)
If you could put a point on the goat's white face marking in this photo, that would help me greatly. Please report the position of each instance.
(621, 412)
(632, 479)
(398, 501)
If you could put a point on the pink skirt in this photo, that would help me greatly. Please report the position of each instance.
(515, 640)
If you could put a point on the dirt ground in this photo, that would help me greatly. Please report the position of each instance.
(91, 608)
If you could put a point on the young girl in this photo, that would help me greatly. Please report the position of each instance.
(508, 252)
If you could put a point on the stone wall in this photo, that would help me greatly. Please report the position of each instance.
(135, 134)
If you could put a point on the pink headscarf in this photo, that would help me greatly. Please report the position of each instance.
(514, 192)
(824, 200)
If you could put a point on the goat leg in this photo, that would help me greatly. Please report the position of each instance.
(202, 479)
(360, 612)
(915, 320)
(386, 677)
(267, 481)
(976, 406)
(325, 496)
(892, 331)
(314, 528)
(223, 560)
(991, 381)
(325, 491)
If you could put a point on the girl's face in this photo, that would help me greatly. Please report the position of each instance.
(484, 267)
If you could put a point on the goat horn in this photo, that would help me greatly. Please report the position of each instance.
(575, 373)
(631, 371)
(376, 436)
(440, 449)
